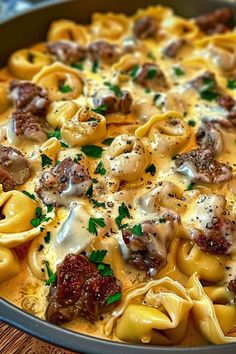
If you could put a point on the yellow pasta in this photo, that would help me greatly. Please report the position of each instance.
(9, 264)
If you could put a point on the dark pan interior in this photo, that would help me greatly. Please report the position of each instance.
(22, 31)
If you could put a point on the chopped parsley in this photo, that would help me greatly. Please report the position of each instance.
(46, 161)
(51, 276)
(95, 66)
(101, 109)
(178, 71)
(89, 192)
(97, 256)
(55, 134)
(108, 141)
(115, 88)
(114, 298)
(208, 91)
(47, 237)
(100, 169)
(65, 89)
(98, 204)
(152, 73)
(49, 208)
(78, 158)
(40, 217)
(32, 196)
(123, 213)
(134, 71)
(162, 220)
(191, 123)
(231, 84)
(147, 90)
(78, 65)
(92, 150)
(94, 223)
(191, 186)
(151, 169)
(137, 230)
(64, 145)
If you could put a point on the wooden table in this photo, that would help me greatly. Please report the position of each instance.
(13, 341)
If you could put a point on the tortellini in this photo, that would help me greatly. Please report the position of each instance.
(4, 100)
(167, 133)
(61, 82)
(9, 264)
(110, 26)
(126, 158)
(191, 259)
(181, 28)
(65, 29)
(18, 210)
(61, 111)
(50, 148)
(85, 127)
(25, 63)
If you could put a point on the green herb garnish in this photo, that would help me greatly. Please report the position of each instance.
(151, 56)
(191, 186)
(115, 88)
(137, 230)
(78, 158)
(100, 169)
(101, 109)
(89, 192)
(40, 217)
(47, 237)
(78, 65)
(152, 73)
(114, 298)
(51, 276)
(192, 123)
(208, 91)
(55, 134)
(97, 256)
(98, 204)
(123, 213)
(231, 84)
(95, 67)
(65, 89)
(92, 150)
(134, 71)
(178, 71)
(162, 220)
(32, 196)
(151, 169)
(94, 223)
(46, 161)
(108, 141)
(64, 145)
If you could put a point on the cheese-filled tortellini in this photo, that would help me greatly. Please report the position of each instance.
(166, 133)
(25, 63)
(9, 264)
(85, 127)
(65, 29)
(110, 26)
(18, 212)
(181, 28)
(191, 259)
(50, 150)
(216, 322)
(126, 159)
(60, 112)
(155, 313)
(61, 82)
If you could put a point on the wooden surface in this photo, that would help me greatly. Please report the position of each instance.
(13, 341)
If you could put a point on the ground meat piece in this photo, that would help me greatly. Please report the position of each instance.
(80, 291)
(148, 251)
(172, 49)
(209, 137)
(199, 165)
(232, 287)
(65, 180)
(14, 168)
(218, 21)
(145, 27)
(68, 52)
(205, 82)
(27, 125)
(226, 101)
(215, 245)
(151, 76)
(104, 51)
(113, 103)
(28, 97)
